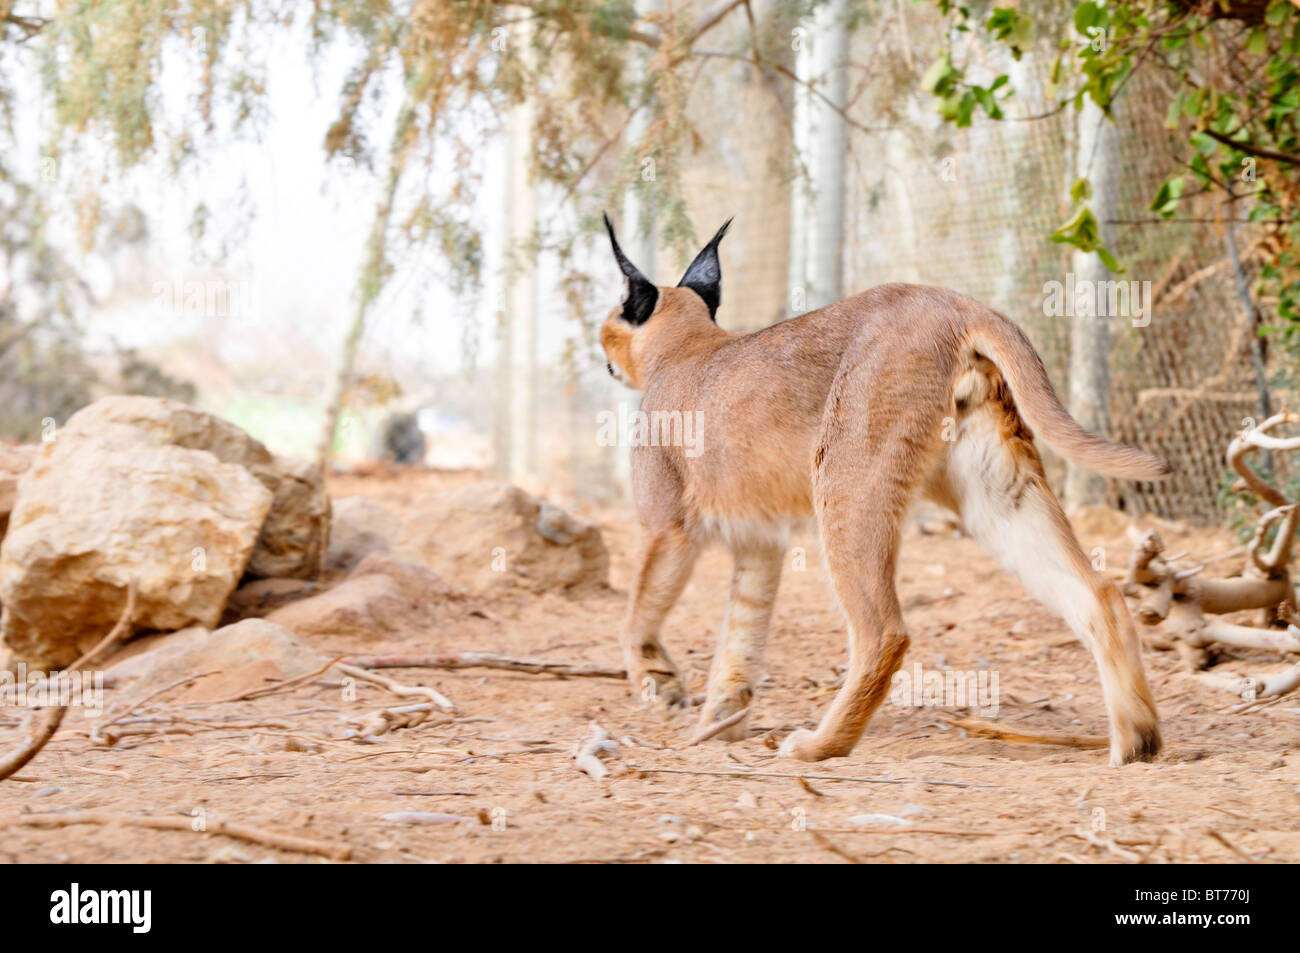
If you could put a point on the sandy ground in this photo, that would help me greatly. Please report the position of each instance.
(503, 777)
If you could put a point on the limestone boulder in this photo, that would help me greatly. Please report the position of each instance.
(383, 598)
(14, 461)
(359, 527)
(233, 659)
(99, 507)
(294, 537)
(493, 536)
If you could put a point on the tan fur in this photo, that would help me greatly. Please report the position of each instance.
(848, 414)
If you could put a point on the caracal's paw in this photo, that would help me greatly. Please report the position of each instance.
(660, 689)
(1139, 742)
(805, 745)
(800, 745)
(722, 706)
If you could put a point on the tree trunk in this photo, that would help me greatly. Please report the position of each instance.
(372, 280)
(817, 202)
(1089, 396)
(638, 244)
(521, 288)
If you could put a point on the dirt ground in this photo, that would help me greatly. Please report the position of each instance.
(500, 784)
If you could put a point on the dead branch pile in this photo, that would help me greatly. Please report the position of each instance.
(1185, 611)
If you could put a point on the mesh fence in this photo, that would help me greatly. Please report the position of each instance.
(970, 209)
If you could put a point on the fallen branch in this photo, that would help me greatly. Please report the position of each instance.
(269, 689)
(396, 687)
(375, 723)
(1254, 688)
(716, 728)
(587, 754)
(509, 663)
(97, 732)
(1107, 843)
(991, 729)
(815, 777)
(255, 835)
(45, 722)
(1232, 847)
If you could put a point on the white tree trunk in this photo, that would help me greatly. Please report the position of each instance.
(817, 203)
(521, 297)
(638, 244)
(515, 443)
(1097, 158)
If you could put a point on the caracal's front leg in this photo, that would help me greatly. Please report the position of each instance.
(667, 558)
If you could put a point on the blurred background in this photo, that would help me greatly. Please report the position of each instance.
(370, 230)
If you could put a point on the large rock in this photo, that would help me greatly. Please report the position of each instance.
(295, 535)
(494, 535)
(99, 507)
(359, 527)
(383, 598)
(14, 461)
(235, 658)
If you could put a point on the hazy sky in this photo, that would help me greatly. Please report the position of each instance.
(298, 256)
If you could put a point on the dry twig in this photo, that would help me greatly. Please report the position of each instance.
(255, 835)
(509, 663)
(991, 729)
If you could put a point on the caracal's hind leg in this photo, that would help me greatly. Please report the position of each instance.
(667, 558)
(738, 659)
(865, 470)
(996, 482)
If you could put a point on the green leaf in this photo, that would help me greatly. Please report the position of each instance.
(966, 109)
(1173, 118)
(1108, 259)
(1088, 14)
(1081, 191)
(1167, 196)
(1201, 168)
(1257, 42)
(940, 70)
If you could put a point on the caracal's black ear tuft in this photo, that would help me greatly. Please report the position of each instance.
(704, 277)
(642, 295)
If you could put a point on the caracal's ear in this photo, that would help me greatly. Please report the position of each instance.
(704, 277)
(642, 295)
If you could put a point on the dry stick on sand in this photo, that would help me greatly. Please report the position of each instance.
(269, 689)
(716, 728)
(814, 777)
(509, 663)
(253, 835)
(1232, 847)
(385, 720)
(397, 688)
(991, 729)
(97, 732)
(45, 722)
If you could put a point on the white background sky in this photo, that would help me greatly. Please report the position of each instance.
(303, 245)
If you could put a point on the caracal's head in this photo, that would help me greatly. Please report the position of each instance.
(647, 309)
